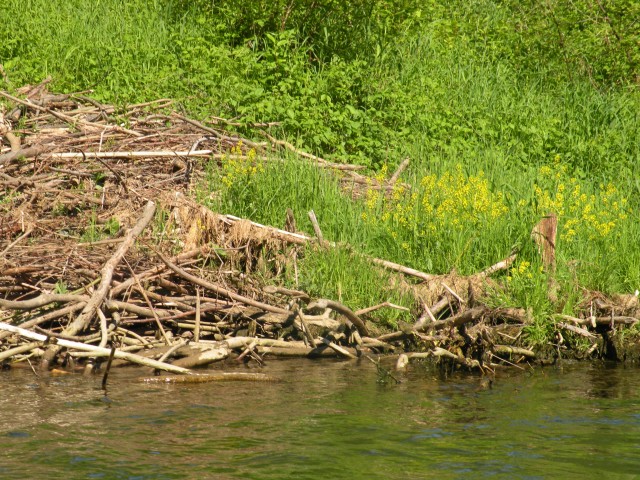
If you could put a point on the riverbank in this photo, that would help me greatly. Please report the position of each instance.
(111, 249)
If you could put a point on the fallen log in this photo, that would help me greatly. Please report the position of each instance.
(213, 377)
(459, 319)
(344, 310)
(509, 350)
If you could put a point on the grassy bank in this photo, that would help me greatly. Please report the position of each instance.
(502, 124)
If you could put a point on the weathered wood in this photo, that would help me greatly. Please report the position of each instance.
(344, 310)
(592, 321)
(91, 348)
(459, 319)
(219, 290)
(544, 235)
(509, 350)
(337, 348)
(213, 377)
(82, 321)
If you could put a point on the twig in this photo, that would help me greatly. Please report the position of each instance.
(506, 361)
(578, 330)
(146, 299)
(27, 347)
(196, 330)
(402, 269)
(450, 290)
(619, 320)
(305, 326)
(303, 240)
(508, 349)
(41, 301)
(319, 160)
(172, 350)
(145, 154)
(103, 328)
(49, 316)
(316, 227)
(17, 240)
(364, 311)
(401, 168)
(213, 377)
(304, 296)
(501, 265)
(108, 367)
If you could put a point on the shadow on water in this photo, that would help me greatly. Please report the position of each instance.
(325, 420)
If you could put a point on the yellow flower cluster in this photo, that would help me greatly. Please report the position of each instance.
(238, 167)
(520, 271)
(450, 202)
(590, 216)
(457, 199)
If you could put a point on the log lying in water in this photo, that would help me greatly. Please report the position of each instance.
(213, 377)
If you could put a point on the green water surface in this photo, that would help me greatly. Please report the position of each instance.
(325, 419)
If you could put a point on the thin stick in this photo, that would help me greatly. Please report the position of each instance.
(508, 349)
(304, 239)
(103, 328)
(402, 269)
(49, 316)
(459, 319)
(172, 350)
(147, 154)
(27, 347)
(17, 240)
(108, 367)
(316, 227)
(457, 297)
(305, 326)
(399, 170)
(196, 330)
(150, 305)
(320, 161)
(505, 361)
(364, 311)
(501, 265)
(213, 377)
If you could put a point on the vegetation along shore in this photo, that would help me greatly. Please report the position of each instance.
(187, 182)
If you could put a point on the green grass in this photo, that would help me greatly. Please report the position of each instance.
(456, 86)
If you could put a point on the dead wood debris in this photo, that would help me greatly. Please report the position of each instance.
(178, 293)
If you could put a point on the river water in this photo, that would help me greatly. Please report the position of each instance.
(325, 419)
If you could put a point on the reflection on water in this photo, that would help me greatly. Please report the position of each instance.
(325, 420)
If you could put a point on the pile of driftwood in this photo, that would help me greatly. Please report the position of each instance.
(169, 283)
